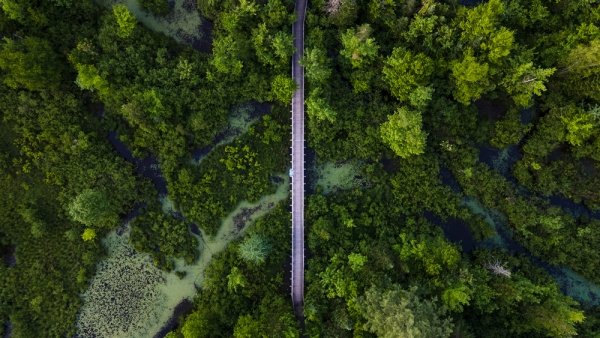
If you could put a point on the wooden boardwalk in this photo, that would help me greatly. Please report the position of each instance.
(297, 279)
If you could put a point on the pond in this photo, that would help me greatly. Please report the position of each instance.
(334, 176)
(183, 23)
(130, 297)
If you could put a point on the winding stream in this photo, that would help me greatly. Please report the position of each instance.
(130, 297)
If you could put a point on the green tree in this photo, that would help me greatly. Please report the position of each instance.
(226, 55)
(89, 78)
(125, 20)
(394, 313)
(408, 75)
(283, 88)
(525, 81)
(89, 234)
(580, 72)
(316, 65)
(93, 208)
(358, 47)
(235, 279)
(471, 79)
(579, 128)
(402, 133)
(29, 63)
(318, 108)
(356, 261)
(254, 249)
(247, 327)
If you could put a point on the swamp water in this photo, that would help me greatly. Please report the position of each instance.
(570, 282)
(332, 177)
(130, 297)
(183, 23)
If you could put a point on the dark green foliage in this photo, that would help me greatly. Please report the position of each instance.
(157, 7)
(415, 85)
(164, 237)
(258, 307)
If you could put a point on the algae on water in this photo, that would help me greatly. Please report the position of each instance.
(183, 23)
(332, 177)
(130, 297)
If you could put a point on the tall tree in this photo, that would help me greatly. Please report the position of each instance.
(402, 132)
(394, 312)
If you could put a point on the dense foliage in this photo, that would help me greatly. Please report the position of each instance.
(96, 108)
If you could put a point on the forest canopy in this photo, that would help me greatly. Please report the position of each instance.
(464, 138)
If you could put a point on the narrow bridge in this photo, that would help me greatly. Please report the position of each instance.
(297, 171)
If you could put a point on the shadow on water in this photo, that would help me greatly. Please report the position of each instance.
(7, 329)
(239, 121)
(503, 161)
(8, 255)
(147, 167)
(184, 308)
(456, 231)
(183, 23)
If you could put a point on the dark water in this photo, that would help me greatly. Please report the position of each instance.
(184, 308)
(448, 179)
(503, 161)
(147, 167)
(456, 231)
(7, 329)
(471, 3)
(256, 110)
(8, 256)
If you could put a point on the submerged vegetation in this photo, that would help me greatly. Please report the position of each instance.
(454, 190)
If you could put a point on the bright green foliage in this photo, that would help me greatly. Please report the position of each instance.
(394, 312)
(235, 279)
(499, 45)
(318, 108)
(433, 255)
(579, 128)
(470, 79)
(316, 65)
(554, 317)
(273, 49)
(29, 63)
(225, 55)
(89, 234)
(580, 75)
(247, 327)
(408, 76)
(93, 208)
(479, 23)
(283, 87)
(457, 297)
(254, 249)
(89, 78)
(356, 261)
(525, 82)
(125, 20)
(358, 47)
(402, 133)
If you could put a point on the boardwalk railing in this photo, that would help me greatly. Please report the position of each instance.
(297, 172)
